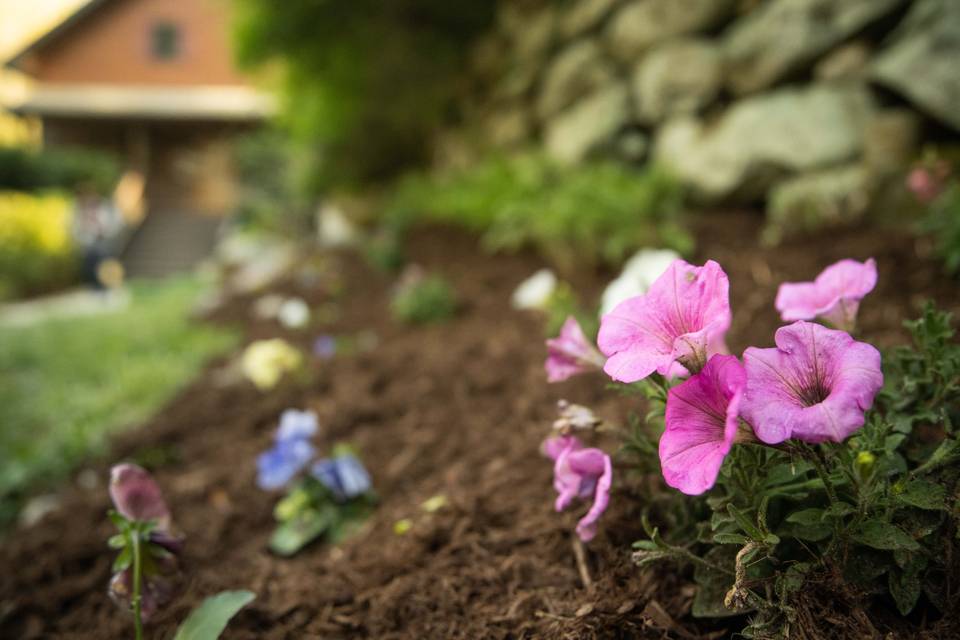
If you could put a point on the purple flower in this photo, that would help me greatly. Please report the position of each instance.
(343, 475)
(702, 420)
(570, 353)
(297, 425)
(681, 319)
(814, 386)
(158, 587)
(580, 473)
(834, 296)
(325, 347)
(136, 495)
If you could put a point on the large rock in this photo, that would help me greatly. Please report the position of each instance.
(923, 63)
(578, 70)
(584, 15)
(761, 138)
(782, 36)
(588, 125)
(677, 78)
(643, 23)
(817, 200)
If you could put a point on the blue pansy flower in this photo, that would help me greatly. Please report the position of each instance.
(292, 451)
(343, 475)
(276, 467)
(297, 425)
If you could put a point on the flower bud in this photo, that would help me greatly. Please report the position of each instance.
(864, 465)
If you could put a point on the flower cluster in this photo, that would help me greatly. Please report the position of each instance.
(814, 386)
(323, 494)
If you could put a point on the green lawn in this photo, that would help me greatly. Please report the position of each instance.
(65, 384)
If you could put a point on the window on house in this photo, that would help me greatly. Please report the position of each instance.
(165, 41)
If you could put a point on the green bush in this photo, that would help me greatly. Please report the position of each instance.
(426, 300)
(594, 213)
(22, 169)
(36, 253)
(942, 222)
(364, 82)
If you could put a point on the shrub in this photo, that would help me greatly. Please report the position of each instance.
(424, 300)
(942, 222)
(364, 82)
(35, 249)
(22, 169)
(594, 213)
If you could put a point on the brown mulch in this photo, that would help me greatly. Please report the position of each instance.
(457, 409)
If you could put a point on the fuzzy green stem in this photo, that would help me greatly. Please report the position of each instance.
(137, 579)
(821, 471)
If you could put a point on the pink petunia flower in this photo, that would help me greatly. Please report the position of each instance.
(834, 296)
(580, 473)
(137, 496)
(570, 353)
(814, 386)
(701, 425)
(681, 319)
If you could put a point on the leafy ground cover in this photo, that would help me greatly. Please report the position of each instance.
(457, 409)
(67, 383)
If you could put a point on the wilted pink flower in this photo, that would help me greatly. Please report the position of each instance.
(701, 425)
(580, 473)
(681, 319)
(834, 296)
(157, 589)
(814, 386)
(570, 353)
(926, 182)
(136, 495)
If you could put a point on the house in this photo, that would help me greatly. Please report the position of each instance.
(152, 81)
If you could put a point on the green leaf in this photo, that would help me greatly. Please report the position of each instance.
(806, 517)
(208, 621)
(117, 541)
(905, 587)
(879, 534)
(293, 535)
(923, 495)
(839, 510)
(748, 527)
(123, 560)
(791, 580)
(730, 538)
(713, 585)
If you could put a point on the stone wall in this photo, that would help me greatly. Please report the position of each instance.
(786, 101)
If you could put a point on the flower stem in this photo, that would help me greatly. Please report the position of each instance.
(821, 471)
(137, 579)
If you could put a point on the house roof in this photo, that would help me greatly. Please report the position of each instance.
(53, 33)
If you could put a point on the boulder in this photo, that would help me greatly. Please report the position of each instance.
(890, 141)
(577, 70)
(584, 15)
(923, 62)
(817, 200)
(848, 62)
(677, 78)
(782, 36)
(764, 137)
(588, 125)
(643, 23)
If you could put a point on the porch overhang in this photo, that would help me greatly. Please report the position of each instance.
(219, 103)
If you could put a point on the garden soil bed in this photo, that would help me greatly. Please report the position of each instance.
(457, 409)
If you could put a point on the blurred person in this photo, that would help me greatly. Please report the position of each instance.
(95, 227)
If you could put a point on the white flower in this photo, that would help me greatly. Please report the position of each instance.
(637, 275)
(293, 313)
(267, 307)
(535, 291)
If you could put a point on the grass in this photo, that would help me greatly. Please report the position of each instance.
(67, 383)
